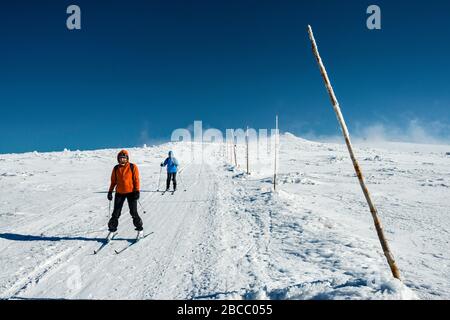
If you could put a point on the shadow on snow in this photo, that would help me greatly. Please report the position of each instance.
(26, 237)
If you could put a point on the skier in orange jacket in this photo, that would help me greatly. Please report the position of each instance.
(125, 179)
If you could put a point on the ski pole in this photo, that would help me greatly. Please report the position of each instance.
(159, 180)
(109, 209)
(142, 207)
(182, 182)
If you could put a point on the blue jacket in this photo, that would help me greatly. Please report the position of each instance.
(171, 163)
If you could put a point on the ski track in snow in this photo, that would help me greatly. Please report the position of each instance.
(228, 236)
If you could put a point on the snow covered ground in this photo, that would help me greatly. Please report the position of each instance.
(228, 236)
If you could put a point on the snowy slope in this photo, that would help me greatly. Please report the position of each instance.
(228, 236)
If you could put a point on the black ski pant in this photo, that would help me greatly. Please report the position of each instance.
(173, 177)
(119, 199)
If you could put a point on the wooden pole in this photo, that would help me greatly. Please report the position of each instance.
(246, 142)
(235, 158)
(231, 151)
(257, 144)
(384, 244)
(276, 153)
(226, 150)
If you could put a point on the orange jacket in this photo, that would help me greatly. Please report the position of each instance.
(123, 179)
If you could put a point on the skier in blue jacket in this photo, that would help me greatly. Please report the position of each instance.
(172, 165)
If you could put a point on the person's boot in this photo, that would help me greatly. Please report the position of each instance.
(111, 235)
(140, 235)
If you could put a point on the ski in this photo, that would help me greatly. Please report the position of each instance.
(101, 247)
(132, 243)
(104, 244)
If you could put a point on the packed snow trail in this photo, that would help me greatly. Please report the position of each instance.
(181, 224)
(228, 235)
(176, 261)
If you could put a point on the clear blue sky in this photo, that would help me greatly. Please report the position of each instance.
(139, 69)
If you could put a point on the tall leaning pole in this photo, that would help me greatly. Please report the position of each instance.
(275, 166)
(384, 244)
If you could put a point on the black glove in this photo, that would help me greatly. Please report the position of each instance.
(137, 194)
(162, 164)
(110, 196)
